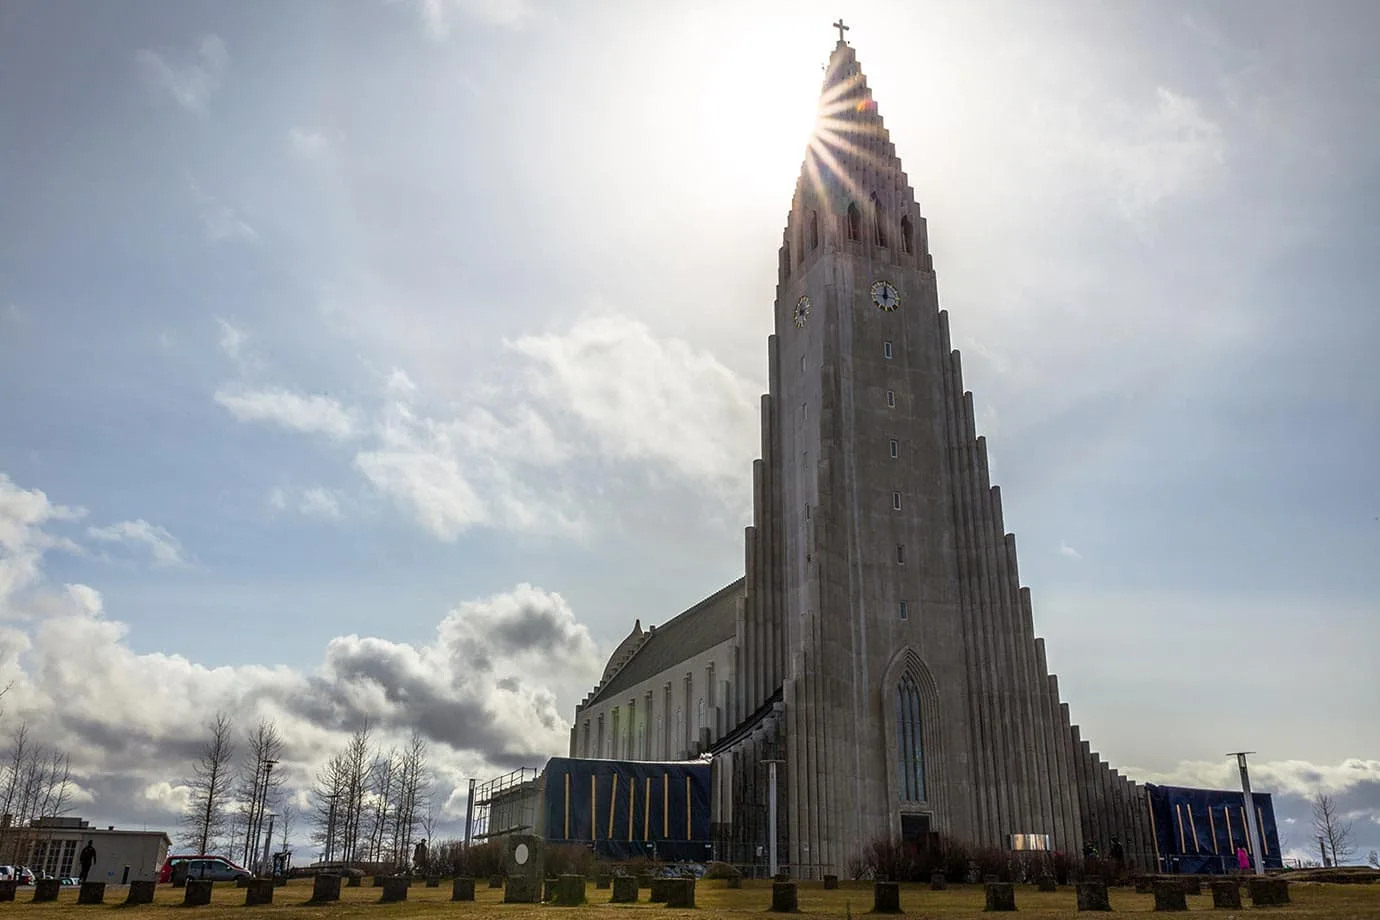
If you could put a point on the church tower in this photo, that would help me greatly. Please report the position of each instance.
(879, 656)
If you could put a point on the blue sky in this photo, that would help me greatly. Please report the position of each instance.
(326, 330)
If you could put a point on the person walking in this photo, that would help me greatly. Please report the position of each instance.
(88, 859)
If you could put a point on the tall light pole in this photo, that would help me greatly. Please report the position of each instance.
(268, 843)
(1253, 827)
(263, 804)
(771, 816)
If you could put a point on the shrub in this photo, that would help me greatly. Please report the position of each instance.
(721, 870)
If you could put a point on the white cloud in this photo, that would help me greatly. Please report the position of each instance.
(232, 338)
(192, 82)
(309, 414)
(308, 143)
(438, 15)
(1069, 551)
(161, 545)
(320, 503)
(646, 398)
(1289, 777)
(220, 223)
(23, 539)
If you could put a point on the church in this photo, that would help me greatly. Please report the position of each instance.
(879, 656)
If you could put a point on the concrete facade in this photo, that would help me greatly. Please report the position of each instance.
(53, 845)
(884, 650)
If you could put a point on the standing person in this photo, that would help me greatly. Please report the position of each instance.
(1243, 859)
(88, 859)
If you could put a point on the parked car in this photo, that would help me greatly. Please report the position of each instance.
(215, 868)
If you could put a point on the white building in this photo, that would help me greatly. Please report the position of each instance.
(52, 846)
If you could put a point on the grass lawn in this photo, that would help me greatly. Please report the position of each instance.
(1310, 900)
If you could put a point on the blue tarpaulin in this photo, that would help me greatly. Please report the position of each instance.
(1199, 830)
(629, 808)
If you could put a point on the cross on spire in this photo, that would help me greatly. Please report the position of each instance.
(842, 28)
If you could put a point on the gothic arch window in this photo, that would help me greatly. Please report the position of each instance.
(879, 230)
(909, 741)
(854, 222)
(814, 231)
(907, 235)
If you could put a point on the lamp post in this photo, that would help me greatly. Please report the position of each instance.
(771, 815)
(262, 805)
(268, 842)
(1253, 828)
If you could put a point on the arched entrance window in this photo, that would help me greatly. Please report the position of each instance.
(907, 235)
(909, 740)
(854, 222)
(879, 230)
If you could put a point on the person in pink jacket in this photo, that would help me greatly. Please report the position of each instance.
(1243, 859)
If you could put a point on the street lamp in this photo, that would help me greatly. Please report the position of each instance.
(263, 806)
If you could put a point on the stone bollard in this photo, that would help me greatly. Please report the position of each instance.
(1226, 895)
(831, 882)
(783, 898)
(462, 889)
(659, 892)
(352, 881)
(259, 891)
(548, 890)
(495, 881)
(394, 889)
(1265, 892)
(8, 888)
(198, 893)
(938, 881)
(1093, 896)
(1169, 895)
(886, 898)
(624, 890)
(1000, 896)
(1046, 883)
(570, 890)
(680, 892)
(522, 889)
(91, 893)
(1192, 884)
(325, 888)
(141, 892)
(46, 889)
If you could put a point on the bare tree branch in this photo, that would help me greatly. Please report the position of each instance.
(1334, 830)
(210, 785)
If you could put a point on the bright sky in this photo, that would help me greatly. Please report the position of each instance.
(389, 358)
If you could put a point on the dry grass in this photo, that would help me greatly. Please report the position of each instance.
(714, 899)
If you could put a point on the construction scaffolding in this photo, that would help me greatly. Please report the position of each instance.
(506, 804)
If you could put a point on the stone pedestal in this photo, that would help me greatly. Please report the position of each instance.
(198, 893)
(352, 881)
(1265, 892)
(659, 890)
(680, 892)
(394, 889)
(8, 888)
(624, 890)
(1093, 896)
(831, 882)
(886, 898)
(325, 888)
(1000, 896)
(141, 892)
(548, 889)
(462, 889)
(1046, 883)
(1226, 895)
(783, 898)
(1192, 884)
(938, 881)
(522, 890)
(495, 881)
(46, 889)
(570, 890)
(1169, 895)
(258, 891)
(91, 893)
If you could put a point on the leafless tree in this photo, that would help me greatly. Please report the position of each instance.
(412, 789)
(327, 796)
(1374, 859)
(35, 782)
(211, 784)
(380, 804)
(287, 816)
(1334, 829)
(258, 788)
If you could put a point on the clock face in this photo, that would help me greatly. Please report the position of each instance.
(885, 296)
(802, 312)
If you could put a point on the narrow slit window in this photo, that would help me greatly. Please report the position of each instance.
(891, 399)
(895, 447)
(803, 413)
(896, 501)
(886, 350)
(905, 610)
(900, 554)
